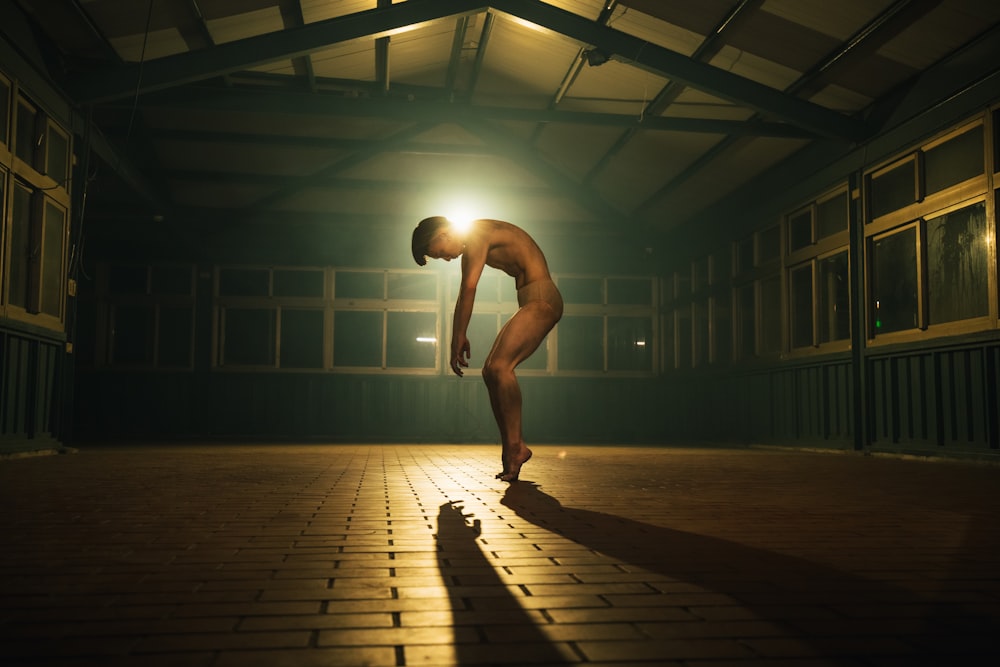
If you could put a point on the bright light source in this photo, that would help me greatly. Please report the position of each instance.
(426, 339)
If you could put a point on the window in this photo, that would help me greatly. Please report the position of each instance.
(958, 265)
(955, 160)
(150, 316)
(894, 187)
(832, 215)
(20, 247)
(607, 324)
(930, 264)
(52, 247)
(4, 110)
(387, 320)
(834, 298)
(800, 287)
(895, 293)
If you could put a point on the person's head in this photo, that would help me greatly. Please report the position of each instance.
(435, 238)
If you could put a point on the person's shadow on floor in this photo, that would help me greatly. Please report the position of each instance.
(498, 613)
(832, 612)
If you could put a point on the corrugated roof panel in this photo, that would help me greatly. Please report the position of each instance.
(160, 43)
(561, 146)
(839, 19)
(420, 56)
(248, 24)
(354, 59)
(647, 162)
(693, 103)
(655, 31)
(742, 164)
(841, 99)
(297, 125)
(519, 62)
(320, 10)
(613, 87)
(244, 158)
(941, 31)
(590, 9)
(749, 66)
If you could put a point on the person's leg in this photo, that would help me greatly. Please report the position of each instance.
(518, 338)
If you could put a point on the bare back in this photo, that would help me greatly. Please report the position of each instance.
(511, 250)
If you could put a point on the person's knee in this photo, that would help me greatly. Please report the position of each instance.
(494, 373)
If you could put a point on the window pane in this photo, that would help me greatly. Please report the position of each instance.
(630, 343)
(359, 285)
(301, 338)
(957, 261)
(4, 111)
(249, 337)
(834, 299)
(132, 335)
(770, 315)
(683, 319)
(413, 286)
(768, 244)
(19, 246)
(895, 282)
(800, 230)
(669, 342)
(123, 280)
(699, 275)
(581, 343)
(172, 280)
(582, 290)
(630, 291)
(831, 216)
(244, 282)
(954, 161)
(744, 255)
(52, 255)
(801, 301)
(24, 142)
(174, 339)
(722, 328)
(411, 340)
(298, 283)
(488, 289)
(357, 338)
(700, 333)
(57, 157)
(722, 266)
(894, 189)
(746, 321)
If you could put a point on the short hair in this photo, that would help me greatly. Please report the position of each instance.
(422, 235)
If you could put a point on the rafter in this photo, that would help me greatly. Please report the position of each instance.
(188, 67)
(267, 101)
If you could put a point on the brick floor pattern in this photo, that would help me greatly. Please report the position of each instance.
(403, 555)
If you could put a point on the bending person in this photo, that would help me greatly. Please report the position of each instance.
(510, 249)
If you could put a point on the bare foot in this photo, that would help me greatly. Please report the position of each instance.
(512, 465)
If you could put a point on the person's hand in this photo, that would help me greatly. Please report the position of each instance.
(460, 352)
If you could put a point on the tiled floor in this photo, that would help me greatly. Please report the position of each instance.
(308, 555)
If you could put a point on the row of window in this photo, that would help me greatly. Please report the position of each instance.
(928, 267)
(352, 320)
(34, 202)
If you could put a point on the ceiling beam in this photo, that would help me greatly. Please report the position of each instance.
(243, 54)
(193, 66)
(267, 101)
(675, 66)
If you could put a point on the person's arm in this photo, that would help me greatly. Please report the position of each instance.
(473, 261)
